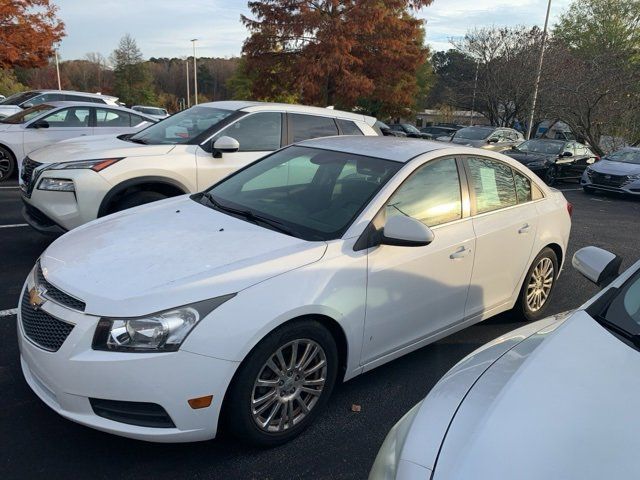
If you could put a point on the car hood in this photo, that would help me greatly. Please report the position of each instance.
(529, 157)
(95, 147)
(169, 253)
(615, 168)
(563, 407)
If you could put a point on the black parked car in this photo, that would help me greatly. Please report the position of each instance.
(435, 131)
(408, 129)
(387, 131)
(554, 160)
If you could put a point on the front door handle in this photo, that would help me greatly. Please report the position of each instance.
(525, 228)
(460, 253)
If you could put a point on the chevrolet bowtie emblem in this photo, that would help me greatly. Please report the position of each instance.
(35, 297)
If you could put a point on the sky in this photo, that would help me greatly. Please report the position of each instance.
(164, 28)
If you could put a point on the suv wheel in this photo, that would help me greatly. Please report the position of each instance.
(283, 384)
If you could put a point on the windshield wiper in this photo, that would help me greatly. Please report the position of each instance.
(248, 215)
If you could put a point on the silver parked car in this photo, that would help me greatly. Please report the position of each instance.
(489, 138)
(19, 101)
(617, 172)
(556, 399)
(155, 112)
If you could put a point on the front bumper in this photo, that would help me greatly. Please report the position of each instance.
(630, 187)
(66, 379)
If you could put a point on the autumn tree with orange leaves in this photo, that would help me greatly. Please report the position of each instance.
(28, 31)
(345, 53)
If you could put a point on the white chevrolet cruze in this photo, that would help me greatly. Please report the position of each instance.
(71, 183)
(246, 303)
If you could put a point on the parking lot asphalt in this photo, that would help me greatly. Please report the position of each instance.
(37, 443)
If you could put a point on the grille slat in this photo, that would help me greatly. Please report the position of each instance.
(612, 181)
(58, 295)
(41, 328)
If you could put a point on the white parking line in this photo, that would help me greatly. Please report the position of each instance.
(15, 225)
(10, 188)
(8, 313)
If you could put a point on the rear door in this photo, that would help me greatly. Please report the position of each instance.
(505, 222)
(62, 124)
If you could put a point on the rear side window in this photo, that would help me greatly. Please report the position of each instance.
(348, 128)
(304, 127)
(492, 184)
(112, 118)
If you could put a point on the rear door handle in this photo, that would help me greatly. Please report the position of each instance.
(525, 228)
(460, 253)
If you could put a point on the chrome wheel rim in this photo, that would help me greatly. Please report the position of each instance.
(289, 386)
(540, 284)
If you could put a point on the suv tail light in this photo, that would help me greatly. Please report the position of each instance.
(570, 208)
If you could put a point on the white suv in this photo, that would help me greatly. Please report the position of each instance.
(74, 182)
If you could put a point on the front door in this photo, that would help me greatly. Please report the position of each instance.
(414, 292)
(61, 125)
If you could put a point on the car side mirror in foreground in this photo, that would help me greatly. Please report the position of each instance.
(225, 145)
(403, 231)
(597, 265)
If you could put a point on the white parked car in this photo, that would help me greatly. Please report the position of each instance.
(554, 399)
(20, 101)
(244, 304)
(69, 184)
(49, 123)
(155, 112)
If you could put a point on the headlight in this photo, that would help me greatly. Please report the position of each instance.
(56, 184)
(160, 332)
(634, 177)
(95, 165)
(386, 463)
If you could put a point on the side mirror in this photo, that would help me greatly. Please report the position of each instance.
(403, 231)
(225, 145)
(26, 105)
(597, 265)
(40, 124)
(567, 154)
(492, 140)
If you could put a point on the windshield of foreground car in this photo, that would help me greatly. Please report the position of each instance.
(181, 127)
(28, 114)
(547, 147)
(625, 156)
(619, 310)
(18, 98)
(473, 133)
(310, 193)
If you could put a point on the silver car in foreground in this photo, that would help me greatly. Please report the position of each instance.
(556, 399)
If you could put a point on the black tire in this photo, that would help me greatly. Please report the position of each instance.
(551, 176)
(136, 198)
(238, 413)
(7, 164)
(522, 307)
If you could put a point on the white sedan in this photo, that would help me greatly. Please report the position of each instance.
(52, 122)
(245, 304)
(555, 399)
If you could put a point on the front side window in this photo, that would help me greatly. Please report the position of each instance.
(69, 118)
(431, 194)
(112, 118)
(315, 194)
(492, 184)
(304, 127)
(258, 132)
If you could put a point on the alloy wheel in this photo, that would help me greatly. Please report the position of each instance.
(5, 165)
(289, 385)
(540, 284)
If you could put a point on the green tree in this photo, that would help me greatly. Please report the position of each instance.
(133, 82)
(9, 84)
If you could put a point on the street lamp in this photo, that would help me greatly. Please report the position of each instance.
(186, 64)
(195, 72)
(55, 52)
(537, 84)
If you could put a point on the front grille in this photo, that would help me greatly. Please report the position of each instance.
(608, 180)
(41, 328)
(28, 166)
(132, 413)
(56, 295)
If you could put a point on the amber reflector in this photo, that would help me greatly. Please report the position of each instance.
(200, 402)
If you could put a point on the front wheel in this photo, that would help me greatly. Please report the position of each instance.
(137, 198)
(7, 164)
(538, 285)
(283, 384)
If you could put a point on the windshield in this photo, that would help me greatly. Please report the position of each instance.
(18, 98)
(314, 194)
(27, 115)
(547, 147)
(181, 127)
(410, 128)
(626, 155)
(621, 311)
(473, 133)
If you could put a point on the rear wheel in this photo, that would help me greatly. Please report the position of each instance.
(538, 285)
(283, 384)
(137, 198)
(7, 164)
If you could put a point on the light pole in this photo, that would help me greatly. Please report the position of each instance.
(55, 52)
(186, 64)
(195, 72)
(537, 84)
